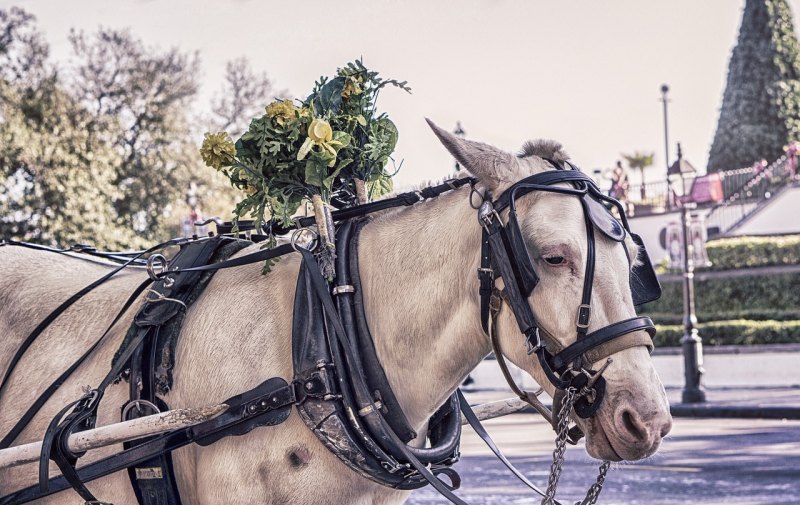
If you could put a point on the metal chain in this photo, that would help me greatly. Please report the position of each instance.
(561, 446)
(594, 492)
(571, 396)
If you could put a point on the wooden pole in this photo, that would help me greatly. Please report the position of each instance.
(116, 433)
(177, 419)
(499, 408)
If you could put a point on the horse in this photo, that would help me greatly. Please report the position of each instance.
(418, 271)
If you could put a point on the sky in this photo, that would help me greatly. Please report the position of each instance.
(585, 73)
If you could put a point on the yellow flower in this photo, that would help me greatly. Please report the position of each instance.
(352, 87)
(320, 133)
(281, 110)
(217, 150)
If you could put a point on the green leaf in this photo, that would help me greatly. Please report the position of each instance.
(328, 181)
(316, 171)
(380, 186)
(329, 98)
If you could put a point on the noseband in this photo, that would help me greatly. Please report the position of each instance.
(504, 254)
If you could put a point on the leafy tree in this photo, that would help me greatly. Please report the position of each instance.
(761, 106)
(55, 176)
(640, 160)
(244, 95)
(103, 151)
(23, 51)
(140, 98)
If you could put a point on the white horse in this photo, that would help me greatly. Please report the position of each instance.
(418, 269)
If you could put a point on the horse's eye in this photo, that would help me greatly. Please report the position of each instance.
(555, 260)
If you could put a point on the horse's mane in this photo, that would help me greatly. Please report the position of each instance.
(543, 148)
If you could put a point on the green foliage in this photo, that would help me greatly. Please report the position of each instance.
(731, 295)
(639, 160)
(749, 252)
(760, 111)
(102, 150)
(316, 147)
(790, 314)
(734, 332)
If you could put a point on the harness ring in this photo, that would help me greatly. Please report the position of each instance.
(312, 244)
(156, 261)
(138, 404)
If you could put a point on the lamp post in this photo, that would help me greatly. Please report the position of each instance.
(664, 100)
(691, 342)
(459, 131)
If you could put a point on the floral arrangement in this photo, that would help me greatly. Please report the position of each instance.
(332, 147)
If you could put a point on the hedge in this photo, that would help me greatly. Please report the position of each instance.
(735, 332)
(749, 252)
(719, 298)
(752, 315)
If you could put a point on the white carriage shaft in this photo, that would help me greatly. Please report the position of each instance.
(117, 433)
(177, 419)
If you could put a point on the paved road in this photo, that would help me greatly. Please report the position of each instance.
(731, 461)
(704, 461)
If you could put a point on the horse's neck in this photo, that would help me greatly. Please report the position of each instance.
(418, 270)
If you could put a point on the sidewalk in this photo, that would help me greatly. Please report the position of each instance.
(743, 382)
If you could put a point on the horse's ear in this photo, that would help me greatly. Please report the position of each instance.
(490, 165)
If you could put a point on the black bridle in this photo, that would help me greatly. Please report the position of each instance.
(504, 254)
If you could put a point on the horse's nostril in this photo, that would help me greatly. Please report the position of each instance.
(633, 425)
(666, 428)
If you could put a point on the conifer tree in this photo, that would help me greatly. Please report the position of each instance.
(761, 105)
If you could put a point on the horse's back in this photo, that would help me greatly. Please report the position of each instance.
(33, 283)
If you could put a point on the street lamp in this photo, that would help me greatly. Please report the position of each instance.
(664, 100)
(691, 342)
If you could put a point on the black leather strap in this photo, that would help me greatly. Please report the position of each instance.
(397, 445)
(53, 387)
(473, 421)
(601, 336)
(68, 303)
(245, 413)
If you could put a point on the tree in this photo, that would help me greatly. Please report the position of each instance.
(104, 150)
(23, 51)
(243, 96)
(761, 105)
(55, 177)
(640, 160)
(141, 98)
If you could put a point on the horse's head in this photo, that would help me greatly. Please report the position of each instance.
(558, 229)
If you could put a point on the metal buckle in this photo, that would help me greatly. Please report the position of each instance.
(485, 214)
(530, 347)
(138, 404)
(584, 313)
(488, 271)
(369, 409)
